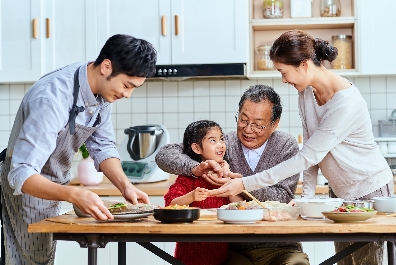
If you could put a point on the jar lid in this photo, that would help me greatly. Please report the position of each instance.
(341, 37)
(264, 47)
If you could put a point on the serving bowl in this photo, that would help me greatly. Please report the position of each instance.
(281, 213)
(313, 208)
(187, 215)
(240, 216)
(385, 204)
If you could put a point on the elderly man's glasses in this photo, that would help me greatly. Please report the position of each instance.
(254, 126)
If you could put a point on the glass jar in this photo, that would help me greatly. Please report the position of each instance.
(273, 8)
(330, 8)
(263, 61)
(344, 45)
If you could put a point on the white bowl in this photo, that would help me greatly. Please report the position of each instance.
(313, 208)
(385, 204)
(240, 216)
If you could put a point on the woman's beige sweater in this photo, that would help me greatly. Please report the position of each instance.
(338, 139)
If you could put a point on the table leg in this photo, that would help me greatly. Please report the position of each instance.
(160, 253)
(92, 256)
(343, 253)
(121, 253)
(390, 247)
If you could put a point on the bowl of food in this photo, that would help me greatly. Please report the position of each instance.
(385, 204)
(177, 214)
(282, 213)
(241, 212)
(313, 208)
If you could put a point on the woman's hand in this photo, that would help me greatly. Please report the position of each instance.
(231, 188)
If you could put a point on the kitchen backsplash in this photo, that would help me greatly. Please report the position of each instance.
(176, 104)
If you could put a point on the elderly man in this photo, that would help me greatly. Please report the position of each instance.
(254, 147)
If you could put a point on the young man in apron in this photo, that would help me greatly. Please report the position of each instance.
(60, 112)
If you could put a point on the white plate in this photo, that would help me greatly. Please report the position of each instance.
(240, 216)
(130, 216)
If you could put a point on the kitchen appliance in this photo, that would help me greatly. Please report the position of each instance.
(137, 152)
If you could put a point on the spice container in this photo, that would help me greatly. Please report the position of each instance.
(344, 59)
(263, 61)
(273, 8)
(330, 8)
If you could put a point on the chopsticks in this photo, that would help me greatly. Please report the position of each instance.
(253, 198)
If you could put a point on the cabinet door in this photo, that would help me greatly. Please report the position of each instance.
(21, 51)
(141, 19)
(70, 32)
(376, 39)
(210, 31)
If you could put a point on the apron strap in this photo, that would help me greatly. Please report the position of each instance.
(3, 155)
(2, 244)
(75, 109)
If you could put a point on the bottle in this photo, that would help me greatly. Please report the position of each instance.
(273, 8)
(345, 52)
(263, 61)
(330, 8)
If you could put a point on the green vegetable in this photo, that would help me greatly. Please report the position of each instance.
(84, 151)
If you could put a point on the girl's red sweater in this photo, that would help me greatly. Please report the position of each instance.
(198, 253)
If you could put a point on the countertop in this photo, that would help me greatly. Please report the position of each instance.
(106, 188)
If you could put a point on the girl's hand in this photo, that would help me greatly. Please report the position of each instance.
(200, 194)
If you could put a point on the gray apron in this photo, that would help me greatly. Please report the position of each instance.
(19, 211)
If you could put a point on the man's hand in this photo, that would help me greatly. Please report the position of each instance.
(231, 188)
(206, 166)
(90, 203)
(134, 195)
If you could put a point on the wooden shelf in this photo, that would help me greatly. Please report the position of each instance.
(303, 23)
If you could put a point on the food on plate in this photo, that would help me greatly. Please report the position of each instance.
(178, 207)
(241, 205)
(352, 209)
(128, 208)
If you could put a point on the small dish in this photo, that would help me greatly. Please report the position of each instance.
(250, 216)
(128, 216)
(187, 215)
(349, 217)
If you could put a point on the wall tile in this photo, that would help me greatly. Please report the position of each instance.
(14, 106)
(138, 105)
(185, 119)
(285, 100)
(125, 105)
(4, 92)
(186, 88)
(293, 102)
(378, 101)
(170, 89)
(233, 88)
(5, 106)
(170, 104)
(124, 121)
(201, 104)
(367, 98)
(4, 136)
(186, 104)
(140, 91)
(217, 104)
(230, 121)
(245, 84)
(17, 91)
(139, 119)
(295, 120)
(231, 103)
(295, 131)
(154, 89)
(5, 123)
(390, 84)
(363, 84)
(201, 88)
(284, 120)
(154, 105)
(219, 118)
(201, 116)
(174, 136)
(155, 118)
(376, 115)
(217, 88)
(171, 120)
(378, 84)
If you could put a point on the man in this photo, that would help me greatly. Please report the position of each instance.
(60, 112)
(254, 147)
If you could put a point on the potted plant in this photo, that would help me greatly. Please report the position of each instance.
(86, 171)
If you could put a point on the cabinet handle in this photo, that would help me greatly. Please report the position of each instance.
(35, 28)
(48, 27)
(176, 25)
(163, 25)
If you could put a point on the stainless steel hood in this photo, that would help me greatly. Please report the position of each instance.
(200, 71)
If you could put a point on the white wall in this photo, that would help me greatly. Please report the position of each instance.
(176, 104)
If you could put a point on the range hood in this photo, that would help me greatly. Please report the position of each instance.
(200, 71)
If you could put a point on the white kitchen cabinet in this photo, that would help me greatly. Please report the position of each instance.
(21, 40)
(39, 36)
(183, 32)
(375, 38)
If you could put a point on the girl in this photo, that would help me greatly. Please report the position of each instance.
(203, 140)
(337, 133)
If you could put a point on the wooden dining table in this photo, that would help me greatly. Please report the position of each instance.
(92, 234)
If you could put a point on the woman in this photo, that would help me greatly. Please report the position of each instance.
(338, 136)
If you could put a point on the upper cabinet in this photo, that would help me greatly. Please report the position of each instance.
(183, 32)
(376, 39)
(266, 30)
(40, 36)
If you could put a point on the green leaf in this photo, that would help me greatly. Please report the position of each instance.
(84, 151)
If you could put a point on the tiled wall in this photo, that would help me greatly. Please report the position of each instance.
(176, 104)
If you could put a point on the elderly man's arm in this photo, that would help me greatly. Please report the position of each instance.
(170, 158)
